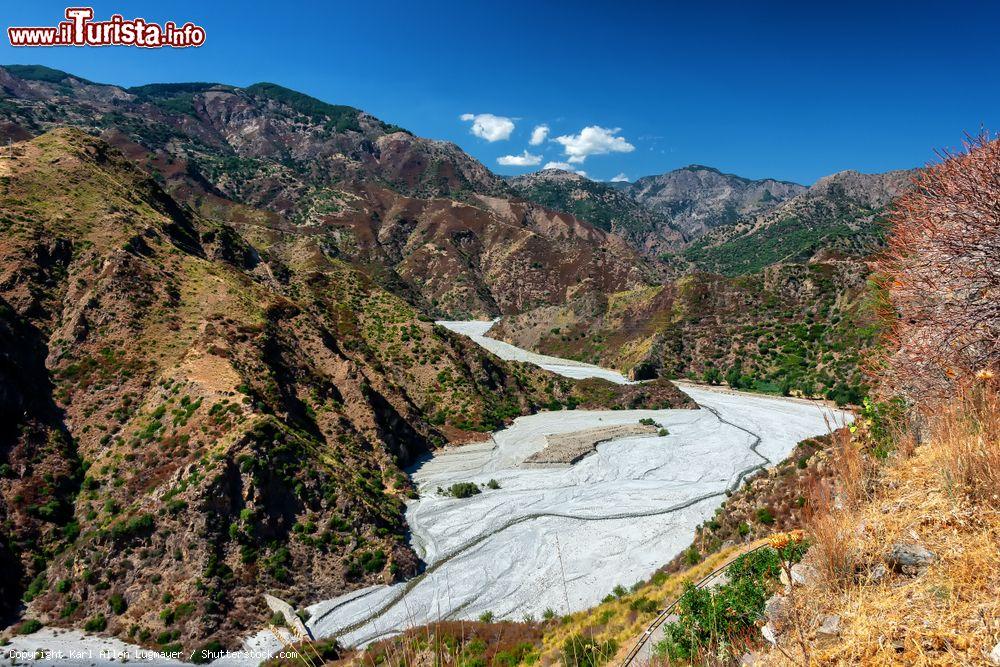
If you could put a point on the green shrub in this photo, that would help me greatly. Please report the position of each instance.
(29, 626)
(373, 561)
(463, 490)
(117, 603)
(137, 525)
(36, 586)
(765, 516)
(520, 654)
(203, 654)
(643, 604)
(96, 624)
(714, 622)
(692, 556)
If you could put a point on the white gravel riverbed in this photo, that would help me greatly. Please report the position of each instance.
(562, 538)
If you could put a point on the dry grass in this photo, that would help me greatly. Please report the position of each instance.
(831, 533)
(831, 507)
(853, 471)
(966, 438)
(943, 497)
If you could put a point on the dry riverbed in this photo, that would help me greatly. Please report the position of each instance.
(562, 537)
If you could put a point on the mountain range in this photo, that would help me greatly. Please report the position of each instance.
(424, 215)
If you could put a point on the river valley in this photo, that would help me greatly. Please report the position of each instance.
(557, 537)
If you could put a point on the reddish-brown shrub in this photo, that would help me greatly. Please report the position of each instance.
(941, 275)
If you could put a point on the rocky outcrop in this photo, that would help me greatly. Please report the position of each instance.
(909, 558)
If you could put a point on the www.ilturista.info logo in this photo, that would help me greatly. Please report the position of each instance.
(79, 29)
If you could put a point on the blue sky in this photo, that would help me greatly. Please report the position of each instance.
(763, 89)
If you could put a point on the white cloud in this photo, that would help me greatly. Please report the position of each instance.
(525, 159)
(593, 140)
(539, 134)
(489, 127)
(565, 166)
(620, 178)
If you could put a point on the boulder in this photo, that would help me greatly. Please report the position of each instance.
(776, 608)
(292, 620)
(829, 626)
(909, 558)
(995, 654)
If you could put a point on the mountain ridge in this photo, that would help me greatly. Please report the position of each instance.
(324, 169)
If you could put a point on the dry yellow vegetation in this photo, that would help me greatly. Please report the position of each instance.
(943, 496)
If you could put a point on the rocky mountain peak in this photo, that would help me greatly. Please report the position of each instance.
(697, 198)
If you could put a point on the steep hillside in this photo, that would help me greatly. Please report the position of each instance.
(377, 195)
(841, 215)
(795, 329)
(192, 417)
(486, 257)
(605, 205)
(697, 199)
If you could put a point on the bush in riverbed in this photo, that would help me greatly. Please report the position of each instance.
(463, 490)
(29, 626)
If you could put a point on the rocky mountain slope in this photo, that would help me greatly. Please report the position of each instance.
(418, 215)
(195, 413)
(838, 216)
(605, 205)
(697, 198)
(794, 329)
